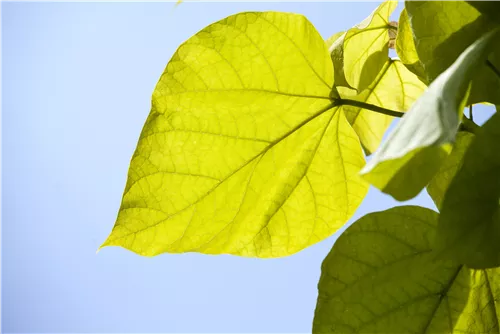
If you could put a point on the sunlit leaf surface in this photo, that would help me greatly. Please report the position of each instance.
(443, 30)
(243, 152)
(414, 151)
(395, 88)
(380, 277)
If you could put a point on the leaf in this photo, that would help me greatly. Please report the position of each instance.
(439, 184)
(380, 278)
(395, 88)
(469, 225)
(442, 31)
(488, 8)
(405, 48)
(243, 152)
(414, 151)
(329, 42)
(359, 54)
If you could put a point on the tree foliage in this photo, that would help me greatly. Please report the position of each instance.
(254, 147)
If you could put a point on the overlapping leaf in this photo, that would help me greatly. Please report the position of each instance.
(380, 277)
(395, 88)
(439, 184)
(243, 151)
(443, 30)
(469, 225)
(414, 151)
(405, 47)
(361, 52)
(488, 8)
(330, 40)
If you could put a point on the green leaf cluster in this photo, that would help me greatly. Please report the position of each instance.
(257, 141)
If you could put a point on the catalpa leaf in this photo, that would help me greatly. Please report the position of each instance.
(380, 277)
(414, 151)
(405, 47)
(361, 52)
(469, 224)
(442, 31)
(243, 152)
(439, 184)
(395, 88)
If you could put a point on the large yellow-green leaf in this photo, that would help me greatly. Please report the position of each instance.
(395, 88)
(243, 151)
(469, 224)
(439, 184)
(414, 151)
(380, 277)
(443, 30)
(405, 47)
(361, 52)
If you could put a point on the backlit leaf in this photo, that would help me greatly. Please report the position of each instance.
(380, 277)
(360, 53)
(405, 47)
(469, 225)
(243, 152)
(330, 40)
(414, 151)
(443, 30)
(395, 88)
(439, 184)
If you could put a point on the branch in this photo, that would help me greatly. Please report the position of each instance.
(371, 107)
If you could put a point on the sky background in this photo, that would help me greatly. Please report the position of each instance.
(77, 82)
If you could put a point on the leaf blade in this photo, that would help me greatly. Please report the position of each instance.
(394, 88)
(232, 157)
(469, 225)
(442, 31)
(414, 151)
(380, 277)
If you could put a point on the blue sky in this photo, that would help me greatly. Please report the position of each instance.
(76, 83)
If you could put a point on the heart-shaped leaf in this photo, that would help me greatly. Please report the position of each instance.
(243, 152)
(381, 277)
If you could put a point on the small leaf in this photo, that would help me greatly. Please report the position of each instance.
(243, 152)
(414, 151)
(395, 88)
(469, 225)
(442, 31)
(380, 277)
(405, 47)
(360, 53)
(439, 184)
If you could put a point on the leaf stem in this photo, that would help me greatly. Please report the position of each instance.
(468, 125)
(371, 107)
(493, 68)
(470, 113)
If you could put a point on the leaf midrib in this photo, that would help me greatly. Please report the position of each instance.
(266, 149)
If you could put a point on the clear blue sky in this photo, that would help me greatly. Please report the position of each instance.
(77, 83)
